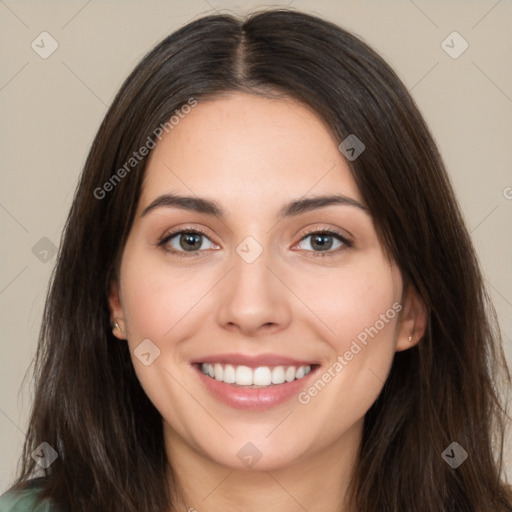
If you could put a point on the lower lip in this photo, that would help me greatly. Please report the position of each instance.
(255, 399)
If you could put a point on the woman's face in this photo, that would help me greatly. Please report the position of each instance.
(283, 289)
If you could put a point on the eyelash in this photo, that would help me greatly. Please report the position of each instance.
(184, 254)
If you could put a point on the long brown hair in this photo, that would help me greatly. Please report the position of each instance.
(89, 405)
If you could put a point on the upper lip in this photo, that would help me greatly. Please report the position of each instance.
(253, 361)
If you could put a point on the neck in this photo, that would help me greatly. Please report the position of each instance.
(318, 481)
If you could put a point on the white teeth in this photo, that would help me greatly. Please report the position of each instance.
(278, 375)
(229, 374)
(260, 376)
(243, 376)
(219, 371)
(290, 374)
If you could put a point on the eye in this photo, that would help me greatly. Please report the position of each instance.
(186, 241)
(190, 242)
(324, 242)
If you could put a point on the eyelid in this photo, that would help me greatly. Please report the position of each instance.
(330, 230)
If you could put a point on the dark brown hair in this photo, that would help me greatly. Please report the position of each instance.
(89, 405)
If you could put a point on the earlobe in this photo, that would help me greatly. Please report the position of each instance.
(116, 312)
(118, 329)
(413, 321)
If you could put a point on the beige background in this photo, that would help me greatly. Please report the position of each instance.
(51, 109)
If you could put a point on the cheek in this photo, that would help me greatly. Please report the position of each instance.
(155, 300)
(155, 296)
(360, 309)
(355, 302)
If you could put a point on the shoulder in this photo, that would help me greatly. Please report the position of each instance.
(25, 500)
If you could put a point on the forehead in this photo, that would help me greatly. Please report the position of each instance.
(246, 149)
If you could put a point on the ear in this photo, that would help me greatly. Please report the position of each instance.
(116, 312)
(413, 320)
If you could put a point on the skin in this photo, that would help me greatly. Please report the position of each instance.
(252, 155)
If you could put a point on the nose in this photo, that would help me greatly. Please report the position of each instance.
(254, 300)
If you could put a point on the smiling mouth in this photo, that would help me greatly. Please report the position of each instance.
(260, 377)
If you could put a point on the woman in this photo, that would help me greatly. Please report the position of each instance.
(265, 295)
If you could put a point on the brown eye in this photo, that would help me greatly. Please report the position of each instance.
(323, 243)
(186, 241)
(190, 241)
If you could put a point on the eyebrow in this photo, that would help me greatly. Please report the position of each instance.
(208, 207)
